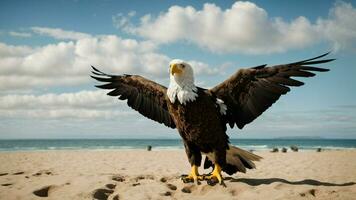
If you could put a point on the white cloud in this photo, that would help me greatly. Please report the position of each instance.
(79, 99)
(78, 105)
(244, 28)
(340, 27)
(26, 67)
(122, 21)
(14, 51)
(60, 33)
(20, 34)
(68, 63)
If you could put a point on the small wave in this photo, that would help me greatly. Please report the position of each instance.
(327, 147)
(168, 147)
(253, 146)
(64, 148)
(20, 149)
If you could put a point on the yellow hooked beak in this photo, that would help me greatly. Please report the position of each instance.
(175, 69)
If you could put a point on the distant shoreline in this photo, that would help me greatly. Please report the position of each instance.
(118, 144)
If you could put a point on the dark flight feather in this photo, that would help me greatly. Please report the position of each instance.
(143, 95)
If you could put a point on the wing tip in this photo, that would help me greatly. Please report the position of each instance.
(98, 86)
(260, 66)
(322, 55)
(96, 71)
(94, 68)
(315, 60)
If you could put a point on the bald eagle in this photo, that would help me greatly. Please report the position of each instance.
(201, 115)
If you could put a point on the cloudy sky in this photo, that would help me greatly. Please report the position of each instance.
(47, 47)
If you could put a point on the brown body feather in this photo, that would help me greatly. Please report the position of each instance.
(200, 125)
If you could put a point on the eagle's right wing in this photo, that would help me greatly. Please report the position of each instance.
(249, 92)
(145, 96)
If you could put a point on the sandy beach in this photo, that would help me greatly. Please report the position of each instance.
(139, 174)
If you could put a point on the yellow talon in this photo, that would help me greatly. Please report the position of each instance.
(193, 176)
(216, 174)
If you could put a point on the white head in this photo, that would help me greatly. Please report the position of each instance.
(181, 84)
(181, 72)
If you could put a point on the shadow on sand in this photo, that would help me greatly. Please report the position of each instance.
(256, 182)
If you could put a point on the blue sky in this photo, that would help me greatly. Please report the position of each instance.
(46, 48)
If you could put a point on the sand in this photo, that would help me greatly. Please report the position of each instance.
(139, 174)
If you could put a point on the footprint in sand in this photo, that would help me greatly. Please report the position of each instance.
(136, 184)
(102, 194)
(187, 189)
(311, 191)
(141, 177)
(168, 193)
(171, 186)
(110, 186)
(118, 178)
(6, 184)
(4, 174)
(18, 173)
(39, 173)
(44, 191)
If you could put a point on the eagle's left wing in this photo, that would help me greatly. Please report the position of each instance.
(249, 92)
(145, 96)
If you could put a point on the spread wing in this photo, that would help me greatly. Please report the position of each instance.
(143, 95)
(249, 92)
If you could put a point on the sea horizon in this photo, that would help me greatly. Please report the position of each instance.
(260, 144)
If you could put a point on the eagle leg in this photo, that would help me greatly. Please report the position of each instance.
(215, 176)
(193, 176)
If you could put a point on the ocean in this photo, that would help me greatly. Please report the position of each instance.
(111, 144)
